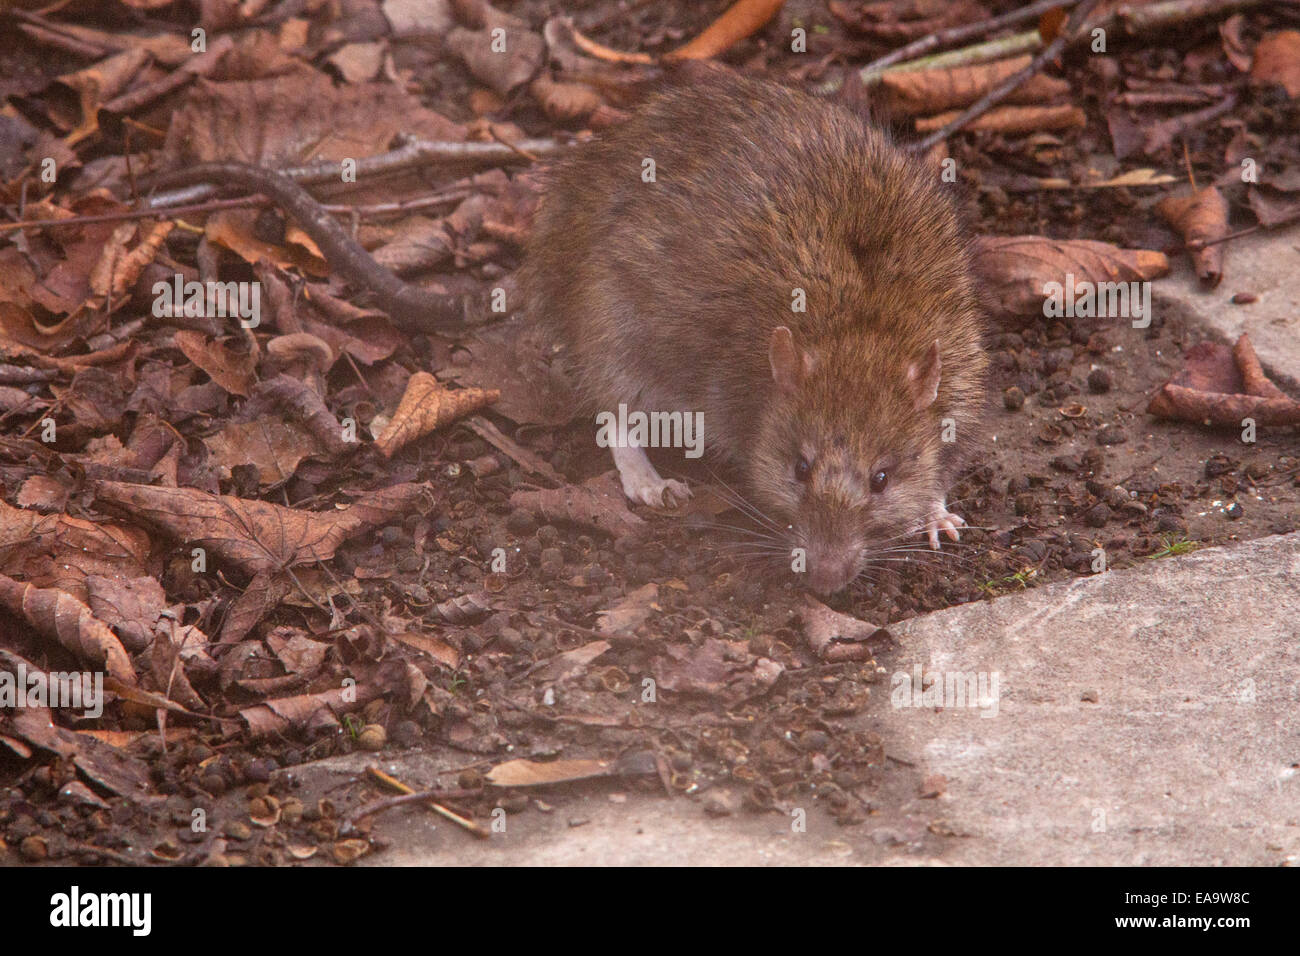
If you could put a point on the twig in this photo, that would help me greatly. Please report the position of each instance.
(1130, 21)
(994, 96)
(422, 796)
(429, 797)
(954, 35)
(412, 154)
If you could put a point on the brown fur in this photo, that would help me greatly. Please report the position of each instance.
(667, 295)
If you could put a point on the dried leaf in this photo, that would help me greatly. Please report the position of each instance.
(255, 535)
(1199, 218)
(1222, 386)
(835, 636)
(569, 664)
(916, 92)
(439, 650)
(427, 405)
(60, 616)
(1013, 119)
(501, 62)
(715, 668)
(228, 362)
(531, 773)
(1016, 268)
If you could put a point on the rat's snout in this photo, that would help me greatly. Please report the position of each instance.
(832, 568)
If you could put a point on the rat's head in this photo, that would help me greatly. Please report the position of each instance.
(847, 455)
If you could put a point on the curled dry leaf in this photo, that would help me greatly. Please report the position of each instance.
(427, 405)
(439, 650)
(296, 399)
(131, 606)
(1199, 218)
(1234, 47)
(255, 535)
(229, 362)
(914, 92)
(596, 503)
(59, 615)
(1274, 207)
(119, 265)
(1219, 385)
(835, 636)
(1015, 269)
(60, 551)
(308, 712)
(102, 763)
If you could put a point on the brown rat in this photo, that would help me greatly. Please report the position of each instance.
(677, 292)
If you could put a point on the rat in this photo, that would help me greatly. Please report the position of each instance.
(771, 261)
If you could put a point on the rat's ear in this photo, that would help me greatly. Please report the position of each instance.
(788, 367)
(923, 378)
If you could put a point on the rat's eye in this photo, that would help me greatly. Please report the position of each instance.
(802, 469)
(879, 480)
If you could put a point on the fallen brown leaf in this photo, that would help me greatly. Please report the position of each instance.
(835, 636)
(917, 92)
(1016, 268)
(59, 615)
(1199, 218)
(1012, 119)
(255, 535)
(427, 405)
(716, 668)
(229, 362)
(532, 773)
(1219, 385)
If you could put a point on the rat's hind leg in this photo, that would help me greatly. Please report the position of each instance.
(940, 519)
(642, 483)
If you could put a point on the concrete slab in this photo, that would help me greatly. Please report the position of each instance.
(1265, 264)
(1144, 716)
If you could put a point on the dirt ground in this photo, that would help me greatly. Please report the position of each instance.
(525, 663)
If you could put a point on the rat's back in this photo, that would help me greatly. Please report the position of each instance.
(667, 251)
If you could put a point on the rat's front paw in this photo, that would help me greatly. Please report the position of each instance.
(941, 519)
(642, 483)
(656, 492)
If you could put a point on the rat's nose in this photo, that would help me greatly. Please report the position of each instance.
(828, 573)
